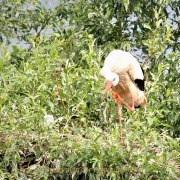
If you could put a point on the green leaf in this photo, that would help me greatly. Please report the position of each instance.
(147, 26)
(150, 121)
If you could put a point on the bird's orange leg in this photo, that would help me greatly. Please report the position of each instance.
(118, 101)
(118, 98)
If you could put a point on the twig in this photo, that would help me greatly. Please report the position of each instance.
(120, 120)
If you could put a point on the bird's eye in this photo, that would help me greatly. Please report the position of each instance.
(114, 79)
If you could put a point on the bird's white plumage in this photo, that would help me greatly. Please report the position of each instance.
(112, 77)
(121, 61)
(125, 77)
(122, 69)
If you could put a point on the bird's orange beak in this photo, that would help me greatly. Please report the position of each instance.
(107, 87)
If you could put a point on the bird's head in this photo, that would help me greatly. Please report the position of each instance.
(112, 79)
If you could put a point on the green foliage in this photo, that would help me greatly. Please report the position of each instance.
(54, 121)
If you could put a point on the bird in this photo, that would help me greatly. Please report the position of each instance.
(124, 75)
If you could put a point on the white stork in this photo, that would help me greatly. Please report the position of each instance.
(125, 76)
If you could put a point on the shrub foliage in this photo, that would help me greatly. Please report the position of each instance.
(54, 120)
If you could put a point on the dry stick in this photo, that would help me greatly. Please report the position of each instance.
(117, 98)
(120, 120)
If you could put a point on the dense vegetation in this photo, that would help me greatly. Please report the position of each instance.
(54, 121)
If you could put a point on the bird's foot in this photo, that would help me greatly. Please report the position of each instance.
(116, 96)
(132, 109)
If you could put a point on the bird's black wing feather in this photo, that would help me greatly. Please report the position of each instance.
(140, 83)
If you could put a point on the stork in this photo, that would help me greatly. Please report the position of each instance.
(125, 77)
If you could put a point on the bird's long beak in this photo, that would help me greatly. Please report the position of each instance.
(107, 87)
